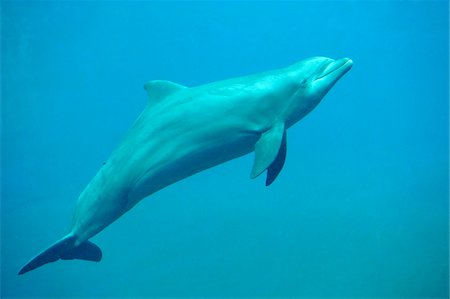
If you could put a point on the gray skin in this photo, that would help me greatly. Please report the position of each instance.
(183, 131)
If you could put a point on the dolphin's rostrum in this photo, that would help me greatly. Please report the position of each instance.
(186, 130)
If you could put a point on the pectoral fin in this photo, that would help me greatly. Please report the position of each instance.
(270, 153)
(276, 166)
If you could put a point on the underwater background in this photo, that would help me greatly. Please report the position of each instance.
(359, 210)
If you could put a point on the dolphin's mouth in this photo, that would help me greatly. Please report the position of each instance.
(343, 65)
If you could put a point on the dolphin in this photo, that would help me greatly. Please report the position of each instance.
(183, 131)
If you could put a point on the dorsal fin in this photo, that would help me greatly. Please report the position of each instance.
(159, 89)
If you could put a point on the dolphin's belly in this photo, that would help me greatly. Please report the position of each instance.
(193, 159)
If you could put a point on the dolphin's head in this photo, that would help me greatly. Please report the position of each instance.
(312, 79)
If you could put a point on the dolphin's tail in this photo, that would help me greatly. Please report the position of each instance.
(64, 249)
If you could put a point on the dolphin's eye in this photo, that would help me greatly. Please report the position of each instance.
(303, 83)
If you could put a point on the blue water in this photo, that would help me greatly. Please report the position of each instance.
(359, 210)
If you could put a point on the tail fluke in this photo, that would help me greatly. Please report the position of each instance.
(64, 249)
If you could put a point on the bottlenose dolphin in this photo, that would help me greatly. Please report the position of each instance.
(186, 130)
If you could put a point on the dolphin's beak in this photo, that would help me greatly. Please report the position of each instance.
(336, 69)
